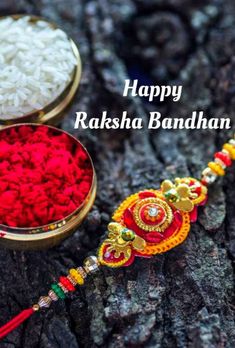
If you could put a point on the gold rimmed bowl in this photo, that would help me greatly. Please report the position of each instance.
(53, 112)
(41, 237)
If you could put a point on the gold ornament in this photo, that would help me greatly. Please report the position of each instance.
(122, 240)
(180, 194)
(152, 202)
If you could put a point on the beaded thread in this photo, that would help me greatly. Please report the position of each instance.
(76, 277)
(126, 239)
(222, 160)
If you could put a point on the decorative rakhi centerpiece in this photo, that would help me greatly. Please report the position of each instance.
(152, 221)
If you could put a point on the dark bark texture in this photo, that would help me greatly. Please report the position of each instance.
(184, 298)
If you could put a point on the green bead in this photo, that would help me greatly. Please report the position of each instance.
(59, 292)
(128, 235)
(55, 288)
(172, 196)
(61, 295)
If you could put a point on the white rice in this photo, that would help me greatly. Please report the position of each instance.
(36, 65)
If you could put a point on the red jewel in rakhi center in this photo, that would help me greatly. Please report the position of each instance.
(152, 221)
(152, 214)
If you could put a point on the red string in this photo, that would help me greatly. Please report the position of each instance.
(15, 322)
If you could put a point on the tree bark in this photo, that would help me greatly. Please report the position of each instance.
(184, 298)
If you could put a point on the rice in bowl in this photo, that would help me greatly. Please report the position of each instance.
(37, 63)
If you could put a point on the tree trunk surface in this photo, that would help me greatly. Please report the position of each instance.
(184, 298)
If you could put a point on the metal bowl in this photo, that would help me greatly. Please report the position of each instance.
(53, 112)
(47, 236)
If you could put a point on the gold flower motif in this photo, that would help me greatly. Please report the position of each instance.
(179, 194)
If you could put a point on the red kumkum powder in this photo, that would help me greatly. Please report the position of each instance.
(45, 175)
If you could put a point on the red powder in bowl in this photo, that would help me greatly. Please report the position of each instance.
(45, 175)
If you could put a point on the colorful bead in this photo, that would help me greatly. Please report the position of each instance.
(172, 196)
(127, 235)
(53, 295)
(44, 302)
(216, 168)
(222, 160)
(221, 163)
(71, 280)
(59, 292)
(91, 264)
(64, 289)
(76, 276)
(208, 177)
(224, 157)
(231, 150)
(82, 271)
(67, 284)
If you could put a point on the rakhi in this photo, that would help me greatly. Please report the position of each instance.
(146, 223)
